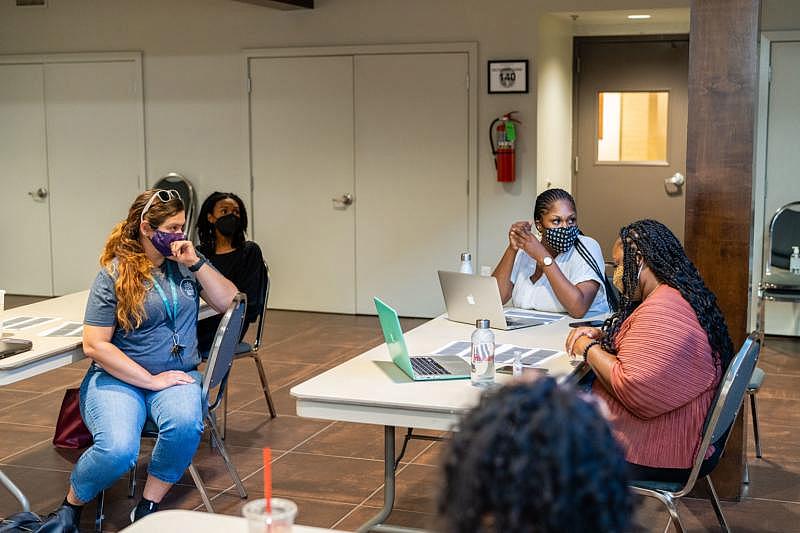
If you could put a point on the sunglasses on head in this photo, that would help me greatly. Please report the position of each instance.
(162, 194)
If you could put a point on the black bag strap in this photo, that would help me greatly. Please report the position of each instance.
(611, 296)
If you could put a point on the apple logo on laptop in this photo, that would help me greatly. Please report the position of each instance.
(470, 299)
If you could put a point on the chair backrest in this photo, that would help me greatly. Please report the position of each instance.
(262, 305)
(223, 348)
(784, 232)
(727, 401)
(176, 181)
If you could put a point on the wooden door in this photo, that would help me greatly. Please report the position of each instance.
(95, 159)
(412, 155)
(301, 121)
(631, 134)
(783, 162)
(25, 215)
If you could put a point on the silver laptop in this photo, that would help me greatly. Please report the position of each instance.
(469, 298)
(421, 367)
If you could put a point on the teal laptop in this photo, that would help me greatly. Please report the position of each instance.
(418, 368)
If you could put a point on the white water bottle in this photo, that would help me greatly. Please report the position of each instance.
(794, 260)
(482, 362)
(466, 263)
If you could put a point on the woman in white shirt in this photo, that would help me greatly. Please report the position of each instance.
(561, 273)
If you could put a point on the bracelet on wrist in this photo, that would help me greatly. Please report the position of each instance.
(589, 347)
(195, 267)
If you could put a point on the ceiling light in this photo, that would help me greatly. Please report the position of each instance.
(638, 17)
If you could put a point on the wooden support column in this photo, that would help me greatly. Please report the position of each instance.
(723, 79)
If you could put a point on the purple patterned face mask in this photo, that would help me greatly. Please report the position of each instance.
(162, 240)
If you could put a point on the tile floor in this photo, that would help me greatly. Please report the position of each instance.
(333, 470)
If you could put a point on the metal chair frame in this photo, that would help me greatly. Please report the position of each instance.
(218, 367)
(190, 204)
(723, 411)
(253, 353)
(770, 290)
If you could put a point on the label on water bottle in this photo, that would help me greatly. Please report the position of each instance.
(482, 364)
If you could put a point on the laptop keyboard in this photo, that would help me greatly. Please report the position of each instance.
(427, 366)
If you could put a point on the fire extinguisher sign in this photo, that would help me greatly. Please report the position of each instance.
(508, 76)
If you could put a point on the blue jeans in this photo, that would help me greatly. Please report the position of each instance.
(115, 412)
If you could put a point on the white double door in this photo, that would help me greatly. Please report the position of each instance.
(360, 168)
(71, 156)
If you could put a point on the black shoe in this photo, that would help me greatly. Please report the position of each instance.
(63, 520)
(142, 509)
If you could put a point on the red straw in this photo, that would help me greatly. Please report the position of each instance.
(268, 478)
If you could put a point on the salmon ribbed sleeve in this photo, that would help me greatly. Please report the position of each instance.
(663, 382)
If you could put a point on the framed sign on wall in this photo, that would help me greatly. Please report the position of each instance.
(509, 76)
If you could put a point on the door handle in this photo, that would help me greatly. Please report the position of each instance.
(343, 201)
(39, 194)
(676, 179)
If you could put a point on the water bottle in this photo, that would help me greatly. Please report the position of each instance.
(482, 363)
(466, 263)
(794, 260)
(516, 367)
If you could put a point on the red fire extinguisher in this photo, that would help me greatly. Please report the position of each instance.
(502, 140)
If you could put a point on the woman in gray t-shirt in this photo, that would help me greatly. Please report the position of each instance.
(140, 330)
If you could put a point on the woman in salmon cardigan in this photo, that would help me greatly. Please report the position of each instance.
(659, 359)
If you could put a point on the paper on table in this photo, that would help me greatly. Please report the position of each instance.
(516, 312)
(67, 329)
(25, 322)
(503, 353)
(460, 348)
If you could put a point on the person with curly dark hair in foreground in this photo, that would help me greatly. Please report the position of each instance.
(535, 457)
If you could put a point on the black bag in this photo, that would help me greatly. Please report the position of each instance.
(20, 522)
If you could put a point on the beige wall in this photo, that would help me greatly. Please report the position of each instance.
(193, 74)
(554, 103)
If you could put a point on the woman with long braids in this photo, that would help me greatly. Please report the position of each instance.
(140, 333)
(659, 359)
(222, 228)
(562, 272)
(534, 457)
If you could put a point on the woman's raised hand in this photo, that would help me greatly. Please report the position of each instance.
(517, 232)
(184, 253)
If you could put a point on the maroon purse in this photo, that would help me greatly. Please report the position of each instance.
(71, 432)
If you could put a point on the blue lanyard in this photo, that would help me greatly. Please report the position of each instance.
(172, 312)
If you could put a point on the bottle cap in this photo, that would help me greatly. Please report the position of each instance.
(482, 323)
(466, 256)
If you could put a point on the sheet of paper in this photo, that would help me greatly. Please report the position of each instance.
(67, 329)
(532, 314)
(460, 348)
(25, 322)
(503, 353)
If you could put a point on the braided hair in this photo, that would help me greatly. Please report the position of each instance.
(534, 457)
(653, 242)
(547, 198)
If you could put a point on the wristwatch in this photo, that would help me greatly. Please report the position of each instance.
(547, 260)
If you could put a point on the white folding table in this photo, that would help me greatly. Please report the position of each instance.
(49, 353)
(370, 389)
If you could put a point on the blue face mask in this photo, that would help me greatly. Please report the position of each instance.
(163, 240)
(561, 239)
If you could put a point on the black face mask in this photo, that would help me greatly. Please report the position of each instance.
(227, 225)
(561, 239)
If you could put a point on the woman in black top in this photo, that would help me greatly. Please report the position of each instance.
(221, 227)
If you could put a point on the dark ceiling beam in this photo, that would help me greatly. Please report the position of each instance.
(282, 4)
